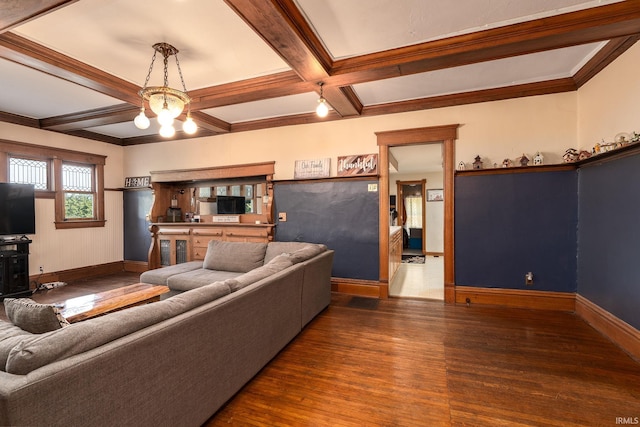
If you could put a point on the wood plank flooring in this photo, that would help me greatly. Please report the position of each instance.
(401, 362)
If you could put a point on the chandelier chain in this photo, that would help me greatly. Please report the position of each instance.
(184, 87)
(146, 81)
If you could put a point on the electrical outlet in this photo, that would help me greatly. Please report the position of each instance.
(528, 279)
(41, 269)
(282, 216)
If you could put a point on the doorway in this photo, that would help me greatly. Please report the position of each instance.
(446, 135)
(411, 196)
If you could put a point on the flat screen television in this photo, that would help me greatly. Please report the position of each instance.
(17, 209)
(230, 204)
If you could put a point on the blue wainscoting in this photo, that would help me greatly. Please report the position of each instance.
(509, 224)
(343, 214)
(609, 236)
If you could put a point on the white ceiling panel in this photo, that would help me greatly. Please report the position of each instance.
(268, 108)
(357, 27)
(215, 45)
(36, 95)
(486, 75)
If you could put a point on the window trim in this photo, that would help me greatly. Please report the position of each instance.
(57, 156)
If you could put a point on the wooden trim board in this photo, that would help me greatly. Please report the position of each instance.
(364, 288)
(516, 298)
(615, 329)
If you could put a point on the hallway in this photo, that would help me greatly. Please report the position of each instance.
(420, 280)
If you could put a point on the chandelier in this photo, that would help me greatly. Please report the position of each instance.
(167, 103)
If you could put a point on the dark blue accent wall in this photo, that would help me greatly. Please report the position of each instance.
(342, 214)
(509, 224)
(609, 237)
(137, 238)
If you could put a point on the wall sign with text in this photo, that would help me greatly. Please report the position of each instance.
(306, 169)
(137, 181)
(358, 165)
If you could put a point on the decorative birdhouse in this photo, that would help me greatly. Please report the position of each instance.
(538, 159)
(507, 163)
(524, 160)
(478, 163)
(570, 156)
(584, 155)
(461, 166)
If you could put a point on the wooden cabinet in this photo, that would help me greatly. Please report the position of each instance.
(395, 251)
(182, 242)
(180, 190)
(14, 268)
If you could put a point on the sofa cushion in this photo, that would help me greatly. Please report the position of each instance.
(307, 252)
(234, 256)
(10, 336)
(39, 350)
(277, 264)
(33, 317)
(196, 278)
(159, 276)
(277, 248)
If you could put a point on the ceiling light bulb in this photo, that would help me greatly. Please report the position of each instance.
(189, 126)
(167, 131)
(322, 109)
(165, 118)
(141, 121)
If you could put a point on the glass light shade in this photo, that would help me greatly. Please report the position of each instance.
(189, 126)
(322, 109)
(165, 118)
(141, 121)
(175, 103)
(167, 131)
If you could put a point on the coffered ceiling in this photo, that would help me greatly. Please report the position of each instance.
(76, 66)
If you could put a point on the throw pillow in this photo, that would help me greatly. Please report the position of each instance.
(33, 317)
(234, 256)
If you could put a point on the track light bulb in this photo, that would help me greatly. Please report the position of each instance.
(322, 109)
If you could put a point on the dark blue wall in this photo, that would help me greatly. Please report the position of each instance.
(342, 214)
(609, 237)
(137, 238)
(509, 224)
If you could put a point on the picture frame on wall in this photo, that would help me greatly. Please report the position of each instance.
(435, 195)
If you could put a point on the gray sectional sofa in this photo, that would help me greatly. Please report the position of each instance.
(173, 362)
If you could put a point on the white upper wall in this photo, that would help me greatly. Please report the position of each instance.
(608, 103)
(493, 130)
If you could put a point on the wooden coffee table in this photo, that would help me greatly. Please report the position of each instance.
(93, 305)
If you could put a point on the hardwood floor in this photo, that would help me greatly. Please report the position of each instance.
(401, 362)
(423, 363)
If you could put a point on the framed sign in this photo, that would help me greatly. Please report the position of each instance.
(435, 195)
(358, 165)
(307, 169)
(137, 181)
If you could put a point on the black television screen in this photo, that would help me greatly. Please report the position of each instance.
(17, 209)
(230, 205)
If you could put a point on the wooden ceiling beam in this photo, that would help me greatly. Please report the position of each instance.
(33, 55)
(604, 57)
(281, 25)
(91, 118)
(14, 13)
(254, 89)
(569, 29)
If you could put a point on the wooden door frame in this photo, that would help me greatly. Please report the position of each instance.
(447, 135)
(400, 204)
